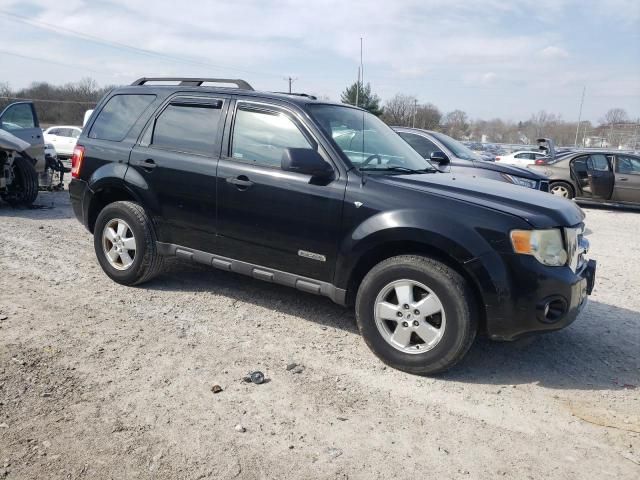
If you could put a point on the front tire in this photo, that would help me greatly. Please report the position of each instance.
(416, 314)
(24, 188)
(562, 189)
(125, 243)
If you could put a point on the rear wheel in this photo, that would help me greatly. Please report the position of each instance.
(416, 314)
(23, 190)
(125, 243)
(561, 189)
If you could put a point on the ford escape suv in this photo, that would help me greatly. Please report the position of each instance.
(256, 183)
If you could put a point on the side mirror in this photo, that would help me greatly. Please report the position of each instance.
(439, 157)
(306, 161)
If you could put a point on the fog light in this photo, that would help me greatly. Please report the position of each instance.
(551, 310)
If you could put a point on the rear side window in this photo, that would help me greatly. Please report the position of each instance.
(598, 162)
(118, 116)
(188, 128)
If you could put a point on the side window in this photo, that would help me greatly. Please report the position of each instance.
(75, 133)
(261, 136)
(118, 116)
(18, 116)
(598, 162)
(521, 155)
(628, 165)
(54, 131)
(65, 132)
(188, 128)
(423, 146)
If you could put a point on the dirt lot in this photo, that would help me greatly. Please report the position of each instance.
(99, 380)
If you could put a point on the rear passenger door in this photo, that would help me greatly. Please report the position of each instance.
(177, 156)
(627, 173)
(270, 217)
(600, 176)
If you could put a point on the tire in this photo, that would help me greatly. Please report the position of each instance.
(24, 188)
(563, 189)
(146, 262)
(456, 324)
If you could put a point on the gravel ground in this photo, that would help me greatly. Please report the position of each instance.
(99, 380)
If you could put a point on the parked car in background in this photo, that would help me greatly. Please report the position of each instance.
(21, 120)
(519, 158)
(603, 176)
(63, 138)
(452, 156)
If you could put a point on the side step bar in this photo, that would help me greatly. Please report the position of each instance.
(309, 285)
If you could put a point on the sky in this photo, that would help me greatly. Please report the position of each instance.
(491, 58)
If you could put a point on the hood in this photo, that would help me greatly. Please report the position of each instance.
(11, 142)
(508, 169)
(539, 209)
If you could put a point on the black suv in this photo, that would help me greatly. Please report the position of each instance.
(258, 183)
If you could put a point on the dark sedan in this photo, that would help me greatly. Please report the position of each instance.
(452, 156)
(601, 176)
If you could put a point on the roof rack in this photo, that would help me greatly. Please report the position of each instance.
(312, 97)
(194, 82)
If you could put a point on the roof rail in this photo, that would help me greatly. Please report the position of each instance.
(194, 82)
(312, 97)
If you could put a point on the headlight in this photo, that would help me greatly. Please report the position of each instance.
(546, 245)
(523, 182)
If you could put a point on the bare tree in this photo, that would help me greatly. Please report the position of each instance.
(456, 124)
(428, 116)
(615, 116)
(399, 110)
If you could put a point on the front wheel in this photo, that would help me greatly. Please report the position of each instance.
(416, 314)
(561, 189)
(125, 243)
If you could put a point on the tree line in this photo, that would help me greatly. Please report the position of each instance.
(614, 129)
(66, 104)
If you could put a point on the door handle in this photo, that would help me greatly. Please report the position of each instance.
(623, 179)
(148, 164)
(242, 182)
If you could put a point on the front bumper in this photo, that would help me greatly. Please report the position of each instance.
(532, 297)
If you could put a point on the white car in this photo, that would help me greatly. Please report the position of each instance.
(63, 138)
(520, 159)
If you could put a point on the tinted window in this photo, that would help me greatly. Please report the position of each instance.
(118, 116)
(75, 133)
(18, 116)
(187, 128)
(628, 165)
(598, 162)
(423, 146)
(261, 137)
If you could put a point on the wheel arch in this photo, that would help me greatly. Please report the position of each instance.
(104, 193)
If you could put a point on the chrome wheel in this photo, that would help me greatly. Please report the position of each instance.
(409, 316)
(119, 244)
(561, 191)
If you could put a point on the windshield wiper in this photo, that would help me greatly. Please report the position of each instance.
(398, 169)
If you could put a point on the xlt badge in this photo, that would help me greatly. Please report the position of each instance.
(312, 256)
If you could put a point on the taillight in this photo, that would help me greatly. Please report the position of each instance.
(541, 162)
(76, 161)
(498, 158)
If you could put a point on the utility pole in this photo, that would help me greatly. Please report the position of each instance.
(575, 143)
(290, 80)
(358, 88)
(415, 110)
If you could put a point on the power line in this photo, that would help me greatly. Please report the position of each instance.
(37, 59)
(122, 46)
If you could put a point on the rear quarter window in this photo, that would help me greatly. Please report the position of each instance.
(118, 116)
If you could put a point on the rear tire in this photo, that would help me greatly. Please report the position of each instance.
(562, 189)
(24, 188)
(124, 240)
(416, 314)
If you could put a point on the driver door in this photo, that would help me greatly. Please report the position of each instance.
(20, 119)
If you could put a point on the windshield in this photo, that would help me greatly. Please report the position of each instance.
(367, 141)
(457, 148)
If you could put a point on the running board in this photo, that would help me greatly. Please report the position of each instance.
(304, 284)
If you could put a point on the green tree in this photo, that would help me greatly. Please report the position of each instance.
(366, 98)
